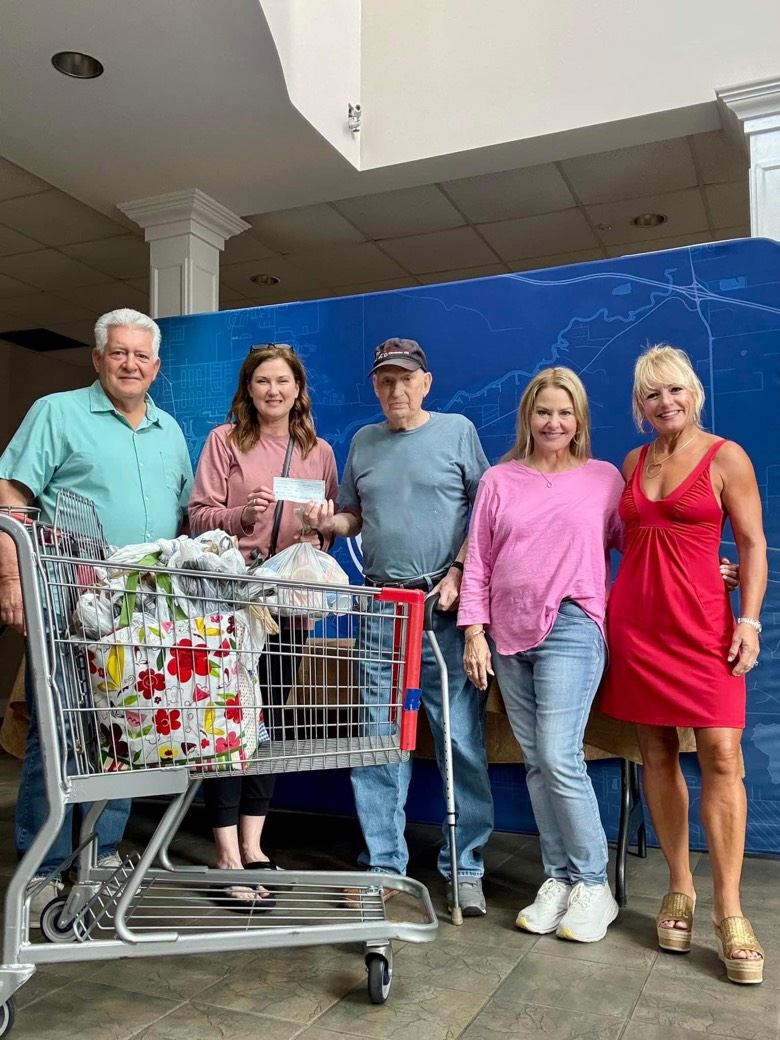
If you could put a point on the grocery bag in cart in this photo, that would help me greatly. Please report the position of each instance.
(307, 567)
(174, 689)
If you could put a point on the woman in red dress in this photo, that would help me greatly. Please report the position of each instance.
(678, 657)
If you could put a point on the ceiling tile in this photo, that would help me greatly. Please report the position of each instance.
(513, 193)
(278, 294)
(724, 234)
(11, 287)
(440, 250)
(307, 227)
(718, 159)
(540, 236)
(107, 297)
(729, 203)
(12, 242)
(628, 173)
(39, 310)
(126, 256)
(393, 214)
(461, 275)
(684, 211)
(680, 242)
(348, 265)
(56, 219)
(15, 181)
(371, 287)
(236, 277)
(49, 269)
(241, 249)
(537, 263)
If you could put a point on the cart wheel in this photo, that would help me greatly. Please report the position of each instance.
(52, 929)
(7, 1016)
(379, 979)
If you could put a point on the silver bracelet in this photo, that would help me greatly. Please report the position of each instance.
(471, 635)
(753, 622)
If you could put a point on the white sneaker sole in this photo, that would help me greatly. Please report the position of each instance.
(522, 923)
(567, 933)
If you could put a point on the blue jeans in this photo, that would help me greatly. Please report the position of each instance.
(548, 691)
(381, 791)
(32, 805)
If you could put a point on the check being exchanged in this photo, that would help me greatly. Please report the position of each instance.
(288, 489)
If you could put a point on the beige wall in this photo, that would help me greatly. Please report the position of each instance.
(25, 376)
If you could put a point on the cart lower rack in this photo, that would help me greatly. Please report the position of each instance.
(154, 674)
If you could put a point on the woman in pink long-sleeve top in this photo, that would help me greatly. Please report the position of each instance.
(233, 491)
(532, 601)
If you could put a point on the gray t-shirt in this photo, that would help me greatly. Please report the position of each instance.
(414, 490)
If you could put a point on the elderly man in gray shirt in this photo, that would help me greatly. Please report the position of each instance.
(408, 487)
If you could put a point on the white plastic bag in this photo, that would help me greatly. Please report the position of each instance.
(307, 567)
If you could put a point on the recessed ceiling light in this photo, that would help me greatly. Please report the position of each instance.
(649, 219)
(77, 65)
(264, 279)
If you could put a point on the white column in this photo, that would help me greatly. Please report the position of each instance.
(753, 111)
(186, 231)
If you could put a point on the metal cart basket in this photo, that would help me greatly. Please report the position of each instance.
(146, 682)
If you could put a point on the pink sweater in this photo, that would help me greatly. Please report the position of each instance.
(531, 546)
(225, 475)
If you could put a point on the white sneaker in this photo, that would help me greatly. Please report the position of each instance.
(106, 863)
(110, 862)
(547, 910)
(592, 909)
(53, 888)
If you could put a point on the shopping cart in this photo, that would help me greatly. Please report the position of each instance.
(146, 683)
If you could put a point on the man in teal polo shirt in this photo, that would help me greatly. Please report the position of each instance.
(110, 443)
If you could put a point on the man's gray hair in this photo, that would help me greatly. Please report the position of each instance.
(129, 318)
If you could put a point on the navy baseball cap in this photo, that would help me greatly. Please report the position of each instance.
(404, 353)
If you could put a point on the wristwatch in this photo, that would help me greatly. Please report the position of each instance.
(753, 622)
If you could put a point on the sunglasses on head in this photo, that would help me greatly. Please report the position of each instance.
(265, 346)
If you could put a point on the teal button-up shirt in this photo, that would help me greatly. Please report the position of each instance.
(139, 479)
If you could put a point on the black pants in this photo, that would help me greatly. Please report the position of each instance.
(229, 797)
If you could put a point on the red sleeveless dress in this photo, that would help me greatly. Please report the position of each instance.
(669, 619)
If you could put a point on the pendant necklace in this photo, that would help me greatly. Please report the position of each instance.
(653, 469)
(545, 477)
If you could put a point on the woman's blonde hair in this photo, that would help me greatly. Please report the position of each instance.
(561, 379)
(663, 365)
(243, 414)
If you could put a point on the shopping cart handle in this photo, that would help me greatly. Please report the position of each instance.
(431, 603)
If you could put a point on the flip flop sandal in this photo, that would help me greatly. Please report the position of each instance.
(227, 899)
(270, 864)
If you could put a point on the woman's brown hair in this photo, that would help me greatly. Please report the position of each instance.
(243, 414)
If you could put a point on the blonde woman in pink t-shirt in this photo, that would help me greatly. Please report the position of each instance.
(532, 602)
(271, 411)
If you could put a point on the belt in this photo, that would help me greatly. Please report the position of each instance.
(426, 584)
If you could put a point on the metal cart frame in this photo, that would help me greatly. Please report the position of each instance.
(147, 905)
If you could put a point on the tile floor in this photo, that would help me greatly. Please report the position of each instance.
(483, 981)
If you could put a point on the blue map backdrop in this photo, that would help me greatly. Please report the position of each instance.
(484, 339)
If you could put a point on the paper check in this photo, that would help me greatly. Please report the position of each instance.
(288, 489)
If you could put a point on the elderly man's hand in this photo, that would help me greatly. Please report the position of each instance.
(449, 589)
(320, 516)
(11, 607)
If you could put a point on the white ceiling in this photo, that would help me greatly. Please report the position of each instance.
(63, 263)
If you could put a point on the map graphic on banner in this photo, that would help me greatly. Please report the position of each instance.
(484, 340)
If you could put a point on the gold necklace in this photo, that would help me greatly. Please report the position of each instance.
(656, 466)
